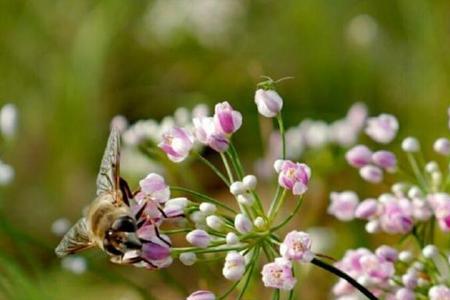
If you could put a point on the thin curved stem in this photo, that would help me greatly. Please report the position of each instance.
(345, 276)
(202, 197)
(214, 169)
(289, 218)
(283, 136)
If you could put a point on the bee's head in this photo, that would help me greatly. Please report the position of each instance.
(121, 236)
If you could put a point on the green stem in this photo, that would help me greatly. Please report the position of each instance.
(202, 197)
(289, 218)
(250, 272)
(276, 295)
(283, 136)
(416, 171)
(214, 169)
(207, 250)
(227, 167)
(279, 204)
(235, 157)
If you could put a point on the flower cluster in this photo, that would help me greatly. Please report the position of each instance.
(413, 202)
(391, 274)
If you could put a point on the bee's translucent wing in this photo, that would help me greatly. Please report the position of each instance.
(75, 240)
(108, 177)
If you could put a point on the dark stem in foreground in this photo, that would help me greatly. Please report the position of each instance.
(345, 276)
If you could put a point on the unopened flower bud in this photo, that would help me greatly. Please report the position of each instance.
(371, 174)
(181, 202)
(197, 217)
(410, 144)
(430, 251)
(399, 189)
(245, 199)
(201, 295)
(432, 167)
(414, 192)
(385, 160)
(405, 256)
(405, 294)
(442, 146)
(215, 222)
(207, 208)
(237, 188)
(188, 258)
(409, 280)
(234, 266)
(269, 103)
(198, 238)
(259, 223)
(242, 223)
(372, 226)
(232, 239)
(250, 182)
(383, 128)
(359, 156)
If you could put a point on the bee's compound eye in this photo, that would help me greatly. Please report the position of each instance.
(124, 224)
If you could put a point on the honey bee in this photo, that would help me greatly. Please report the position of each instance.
(109, 223)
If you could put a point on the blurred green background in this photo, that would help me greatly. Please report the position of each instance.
(70, 66)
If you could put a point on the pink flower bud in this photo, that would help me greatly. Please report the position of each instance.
(366, 209)
(294, 176)
(207, 133)
(439, 292)
(387, 253)
(359, 156)
(269, 103)
(405, 294)
(198, 238)
(176, 143)
(242, 223)
(371, 174)
(343, 205)
(442, 146)
(278, 274)
(297, 246)
(385, 160)
(201, 295)
(226, 119)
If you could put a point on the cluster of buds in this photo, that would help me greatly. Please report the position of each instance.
(411, 205)
(395, 275)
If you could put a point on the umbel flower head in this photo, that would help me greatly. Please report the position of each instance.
(293, 176)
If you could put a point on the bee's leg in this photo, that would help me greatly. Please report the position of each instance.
(162, 212)
(126, 192)
(161, 238)
(140, 212)
(136, 192)
(149, 262)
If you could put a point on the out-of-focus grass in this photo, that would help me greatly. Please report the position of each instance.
(72, 65)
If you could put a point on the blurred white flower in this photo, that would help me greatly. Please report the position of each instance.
(362, 30)
(210, 21)
(75, 264)
(8, 120)
(60, 226)
(6, 173)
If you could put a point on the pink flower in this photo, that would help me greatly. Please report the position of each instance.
(366, 209)
(201, 295)
(207, 133)
(297, 246)
(156, 253)
(405, 294)
(154, 188)
(350, 263)
(359, 156)
(269, 103)
(383, 128)
(385, 159)
(177, 142)
(378, 269)
(278, 274)
(293, 176)
(371, 174)
(396, 216)
(440, 202)
(387, 253)
(357, 115)
(343, 205)
(226, 119)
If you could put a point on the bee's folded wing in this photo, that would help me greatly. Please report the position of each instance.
(75, 240)
(108, 177)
